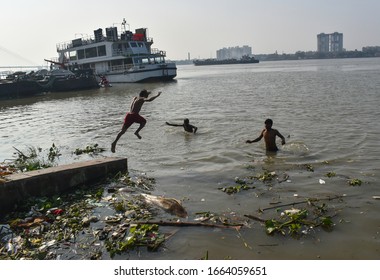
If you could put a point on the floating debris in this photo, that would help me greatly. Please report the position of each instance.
(138, 235)
(235, 189)
(331, 174)
(90, 149)
(354, 182)
(309, 167)
(45, 224)
(266, 176)
(170, 205)
(297, 222)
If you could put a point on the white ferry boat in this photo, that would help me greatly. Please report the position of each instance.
(127, 57)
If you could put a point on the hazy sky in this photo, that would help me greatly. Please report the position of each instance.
(30, 30)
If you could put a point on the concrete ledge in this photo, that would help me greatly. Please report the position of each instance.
(56, 180)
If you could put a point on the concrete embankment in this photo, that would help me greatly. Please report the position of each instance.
(56, 180)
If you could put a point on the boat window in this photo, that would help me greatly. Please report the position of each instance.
(133, 44)
(73, 55)
(102, 51)
(91, 52)
(80, 54)
(145, 61)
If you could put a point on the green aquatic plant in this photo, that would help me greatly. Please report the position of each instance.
(298, 222)
(293, 220)
(235, 189)
(146, 235)
(354, 182)
(53, 153)
(90, 149)
(205, 257)
(309, 167)
(140, 182)
(33, 158)
(240, 181)
(119, 206)
(330, 174)
(327, 223)
(266, 176)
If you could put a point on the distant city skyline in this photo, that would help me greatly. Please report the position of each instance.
(233, 52)
(31, 30)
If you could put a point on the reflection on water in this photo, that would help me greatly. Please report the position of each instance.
(327, 107)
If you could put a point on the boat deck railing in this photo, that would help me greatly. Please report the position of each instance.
(129, 53)
(121, 68)
(91, 40)
(119, 52)
(155, 51)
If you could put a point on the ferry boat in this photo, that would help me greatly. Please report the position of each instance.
(127, 57)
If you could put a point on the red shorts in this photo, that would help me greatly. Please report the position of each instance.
(131, 118)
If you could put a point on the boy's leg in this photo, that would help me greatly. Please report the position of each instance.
(113, 145)
(138, 130)
(142, 123)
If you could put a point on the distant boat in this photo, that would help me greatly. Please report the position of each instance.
(122, 58)
(211, 61)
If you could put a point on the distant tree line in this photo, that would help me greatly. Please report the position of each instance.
(366, 52)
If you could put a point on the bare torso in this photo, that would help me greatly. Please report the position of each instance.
(137, 104)
(270, 139)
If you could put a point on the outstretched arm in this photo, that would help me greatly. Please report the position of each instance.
(173, 124)
(257, 139)
(153, 97)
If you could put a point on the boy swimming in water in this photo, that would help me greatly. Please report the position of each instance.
(186, 125)
(269, 135)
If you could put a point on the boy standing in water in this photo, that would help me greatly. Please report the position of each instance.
(186, 125)
(269, 135)
(133, 115)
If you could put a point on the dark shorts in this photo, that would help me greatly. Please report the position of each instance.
(131, 118)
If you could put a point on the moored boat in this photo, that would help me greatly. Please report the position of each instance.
(127, 57)
(19, 89)
(65, 80)
(19, 85)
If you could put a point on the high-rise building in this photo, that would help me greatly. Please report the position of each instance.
(233, 52)
(332, 42)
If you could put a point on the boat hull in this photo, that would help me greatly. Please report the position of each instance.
(20, 89)
(164, 72)
(76, 83)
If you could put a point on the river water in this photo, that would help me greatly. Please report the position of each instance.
(328, 110)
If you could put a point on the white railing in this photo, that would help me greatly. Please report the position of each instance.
(120, 68)
(121, 52)
(87, 41)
